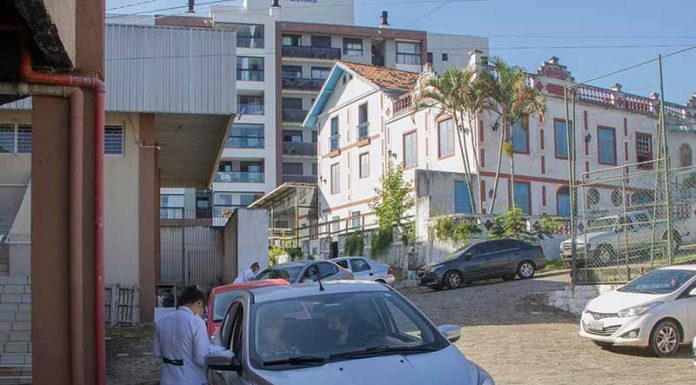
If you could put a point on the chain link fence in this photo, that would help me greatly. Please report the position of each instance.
(631, 220)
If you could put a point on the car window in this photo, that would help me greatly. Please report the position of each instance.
(326, 269)
(358, 265)
(289, 273)
(343, 263)
(226, 331)
(221, 302)
(659, 281)
(237, 333)
(482, 248)
(508, 244)
(402, 323)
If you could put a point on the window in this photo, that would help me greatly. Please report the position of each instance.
(320, 73)
(606, 142)
(250, 68)
(291, 72)
(408, 53)
(358, 264)
(520, 137)
(685, 155)
(560, 138)
(247, 199)
(15, 138)
(430, 58)
(462, 199)
(355, 217)
(292, 136)
(334, 133)
(335, 224)
(250, 105)
(314, 169)
(343, 263)
(365, 165)
(249, 35)
(410, 150)
(644, 150)
(246, 136)
(335, 178)
(523, 197)
(563, 201)
(171, 206)
(292, 103)
(113, 140)
(445, 138)
(321, 41)
(352, 46)
(314, 136)
(290, 40)
(292, 168)
(444, 57)
(363, 124)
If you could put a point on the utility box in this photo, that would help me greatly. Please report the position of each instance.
(246, 241)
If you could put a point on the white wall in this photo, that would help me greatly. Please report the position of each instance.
(456, 47)
(252, 238)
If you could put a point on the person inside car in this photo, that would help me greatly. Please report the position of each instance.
(344, 329)
(272, 335)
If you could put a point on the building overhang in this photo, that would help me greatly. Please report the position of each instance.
(324, 94)
(278, 194)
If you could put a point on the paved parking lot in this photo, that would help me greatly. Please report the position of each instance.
(506, 328)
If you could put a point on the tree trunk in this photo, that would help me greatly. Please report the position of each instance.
(477, 167)
(497, 170)
(512, 179)
(465, 160)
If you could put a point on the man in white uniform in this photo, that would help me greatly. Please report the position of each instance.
(181, 340)
(247, 274)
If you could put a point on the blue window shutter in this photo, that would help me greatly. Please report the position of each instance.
(462, 204)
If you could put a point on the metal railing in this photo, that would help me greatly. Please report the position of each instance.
(363, 130)
(303, 84)
(299, 178)
(300, 149)
(250, 75)
(334, 143)
(239, 177)
(250, 109)
(294, 115)
(312, 52)
(249, 42)
(244, 142)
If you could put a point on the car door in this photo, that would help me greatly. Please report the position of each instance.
(689, 300)
(510, 255)
(231, 337)
(472, 262)
(327, 271)
(361, 269)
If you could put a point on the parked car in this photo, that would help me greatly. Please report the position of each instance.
(364, 268)
(297, 272)
(221, 297)
(347, 333)
(504, 258)
(656, 310)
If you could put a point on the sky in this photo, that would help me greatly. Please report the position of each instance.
(590, 37)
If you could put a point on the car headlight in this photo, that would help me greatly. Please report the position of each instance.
(638, 310)
(484, 378)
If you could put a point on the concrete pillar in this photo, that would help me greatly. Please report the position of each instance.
(148, 194)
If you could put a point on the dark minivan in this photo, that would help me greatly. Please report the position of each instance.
(500, 258)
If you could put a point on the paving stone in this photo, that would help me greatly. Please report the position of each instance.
(11, 298)
(20, 336)
(25, 307)
(13, 289)
(8, 307)
(21, 326)
(16, 347)
(17, 280)
(22, 316)
(13, 358)
(26, 298)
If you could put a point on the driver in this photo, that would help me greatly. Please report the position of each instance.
(338, 326)
(271, 335)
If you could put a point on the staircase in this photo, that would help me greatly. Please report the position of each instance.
(15, 328)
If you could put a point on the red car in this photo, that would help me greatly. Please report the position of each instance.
(222, 296)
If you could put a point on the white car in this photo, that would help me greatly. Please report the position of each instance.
(657, 310)
(366, 269)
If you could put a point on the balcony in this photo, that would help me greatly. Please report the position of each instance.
(250, 109)
(303, 84)
(312, 52)
(248, 75)
(239, 177)
(244, 142)
(299, 149)
(294, 115)
(299, 179)
(249, 42)
(363, 131)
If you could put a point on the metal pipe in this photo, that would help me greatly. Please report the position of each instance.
(665, 156)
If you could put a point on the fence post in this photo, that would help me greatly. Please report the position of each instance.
(114, 306)
(624, 174)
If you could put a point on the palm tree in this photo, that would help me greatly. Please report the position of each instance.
(460, 94)
(514, 100)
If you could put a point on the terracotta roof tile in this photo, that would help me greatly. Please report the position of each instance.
(385, 77)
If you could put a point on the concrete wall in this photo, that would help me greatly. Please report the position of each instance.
(574, 298)
(456, 47)
(246, 241)
(319, 11)
(19, 239)
(62, 14)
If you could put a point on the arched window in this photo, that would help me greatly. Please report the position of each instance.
(563, 202)
(685, 159)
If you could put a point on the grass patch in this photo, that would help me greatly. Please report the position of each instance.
(556, 264)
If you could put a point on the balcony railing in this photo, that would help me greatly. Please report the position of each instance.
(250, 109)
(363, 130)
(249, 75)
(300, 178)
(303, 84)
(300, 149)
(239, 177)
(403, 104)
(312, 52)
(244, 142)
(294, 115)
(249, 42)
(334, 143)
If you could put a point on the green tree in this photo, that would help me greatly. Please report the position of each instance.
(355, 244)
(393, 200)
(514, 100)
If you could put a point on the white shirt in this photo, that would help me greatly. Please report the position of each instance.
(182, 335)
(246, 275)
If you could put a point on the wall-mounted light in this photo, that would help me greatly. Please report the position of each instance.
(588, 137)
(322, 179)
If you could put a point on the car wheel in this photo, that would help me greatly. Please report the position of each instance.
(526, 269)
(604, 255)
(603, 344)
(665, 338)
(453, 279)
(509, 277)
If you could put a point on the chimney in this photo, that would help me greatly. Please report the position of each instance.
(275, 9)
(191, 5)
(383, 20)
(475, 58)
(616, 88)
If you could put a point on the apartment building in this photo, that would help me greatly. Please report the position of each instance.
(366, 118)
(285, 52)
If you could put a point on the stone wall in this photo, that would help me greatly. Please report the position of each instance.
(574, 298)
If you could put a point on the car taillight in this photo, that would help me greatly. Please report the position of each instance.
(390, 271)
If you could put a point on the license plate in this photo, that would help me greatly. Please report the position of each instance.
(595, 325)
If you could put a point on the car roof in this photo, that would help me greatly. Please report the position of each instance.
(352, 256)
(248, 285)
(273, 293)
(691, 267)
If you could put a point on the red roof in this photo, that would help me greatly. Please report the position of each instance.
(385, 77)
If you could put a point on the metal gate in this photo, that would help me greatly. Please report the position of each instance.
(190, 255)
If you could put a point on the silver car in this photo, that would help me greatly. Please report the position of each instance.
(366, 269)
(336, 333)
(305, 271)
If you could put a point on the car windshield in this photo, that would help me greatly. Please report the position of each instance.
(312, 330)
(659, 282)
(604, 223)
(289, 273)
(456, 253)
(222, 303)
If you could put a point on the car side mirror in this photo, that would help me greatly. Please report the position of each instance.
(221, 360)
(451, 332)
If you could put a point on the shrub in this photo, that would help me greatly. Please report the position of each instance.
(381, 240)
(355, 244)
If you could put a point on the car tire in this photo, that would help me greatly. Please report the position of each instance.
(452, 280)
(603, 256)
(509, 277)
(526, 269)
(665, 339)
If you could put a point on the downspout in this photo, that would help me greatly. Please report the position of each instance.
(72, 84)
